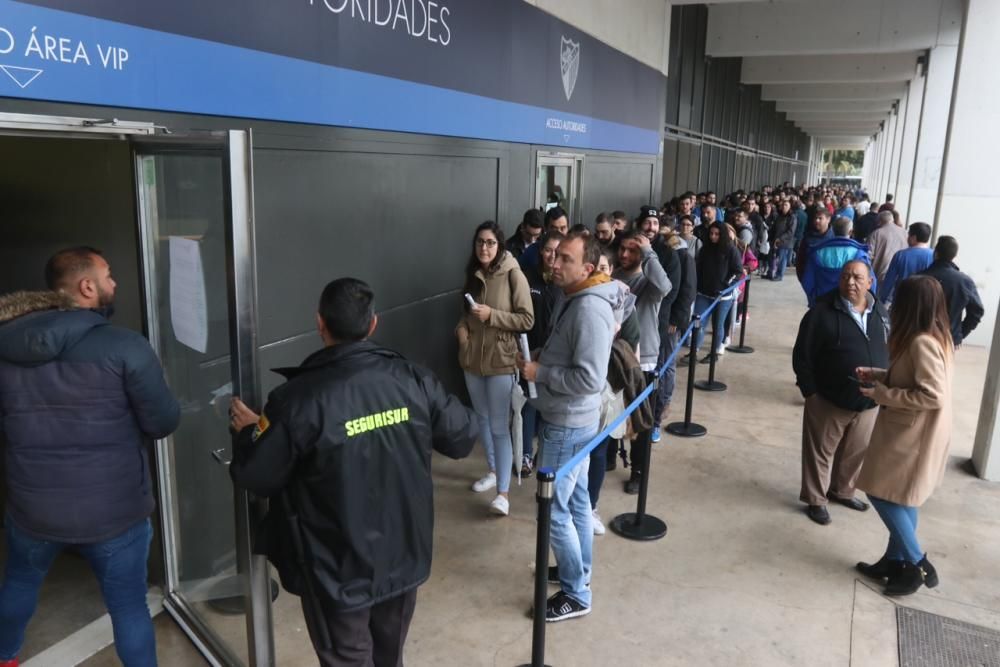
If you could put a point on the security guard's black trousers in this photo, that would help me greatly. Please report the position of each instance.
(372, 637)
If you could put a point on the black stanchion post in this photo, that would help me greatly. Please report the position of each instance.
(638, 525)
(686, 429)
(546, 484)
(711, 384)
(743, 348)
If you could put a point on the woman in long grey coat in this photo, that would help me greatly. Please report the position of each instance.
(906, 459)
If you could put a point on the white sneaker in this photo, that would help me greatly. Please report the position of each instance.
(598, 524)
(485, 484)
(500, 506)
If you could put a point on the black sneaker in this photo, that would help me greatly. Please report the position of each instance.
(562, 607)
(553, 574)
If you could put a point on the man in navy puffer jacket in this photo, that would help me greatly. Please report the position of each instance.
(78, 400)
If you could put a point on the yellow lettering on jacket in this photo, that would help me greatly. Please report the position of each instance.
(373, 422)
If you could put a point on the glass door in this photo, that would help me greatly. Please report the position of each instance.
(557, 182)
(195, 204)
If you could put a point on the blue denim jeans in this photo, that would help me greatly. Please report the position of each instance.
(719, 315)
(779, 261)
(901, 521)
(120, 566)
(598, 469)
(529, 421)
(665, 390)
(490, 396)
(572, 530)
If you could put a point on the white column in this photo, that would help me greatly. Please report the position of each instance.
(890, 147)
(986, 451)
(879, 155)
(968, 194)
(930, 140)
(897, 152)
(914, 105)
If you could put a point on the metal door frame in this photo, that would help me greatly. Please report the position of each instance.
(575, 161)
(235, 147)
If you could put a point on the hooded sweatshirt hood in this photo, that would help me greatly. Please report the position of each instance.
(37, 327)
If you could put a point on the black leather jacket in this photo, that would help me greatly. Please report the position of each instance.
(349, 437)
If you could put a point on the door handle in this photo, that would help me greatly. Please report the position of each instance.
(220, 456)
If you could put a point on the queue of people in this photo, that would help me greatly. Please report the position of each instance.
(602, 310)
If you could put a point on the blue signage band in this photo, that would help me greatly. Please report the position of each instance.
(53, 55)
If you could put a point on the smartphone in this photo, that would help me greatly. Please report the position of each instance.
(856, 380)
(472, 302)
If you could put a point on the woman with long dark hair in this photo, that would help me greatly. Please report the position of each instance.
(718, 264)
(908, 453)
(487, 350)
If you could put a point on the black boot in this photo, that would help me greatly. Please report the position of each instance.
(930, 574)
(633, 484)
(906, 581)
(883, 569)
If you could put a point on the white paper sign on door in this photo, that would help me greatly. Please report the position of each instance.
(188, 303)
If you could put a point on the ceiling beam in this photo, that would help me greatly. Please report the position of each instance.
(890, 67)
(842, 27)
(791, 106)
(834, 92)
(810, 116)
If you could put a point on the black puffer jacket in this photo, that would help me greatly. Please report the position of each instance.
(349, 438)
(79, 398)
(830, 346)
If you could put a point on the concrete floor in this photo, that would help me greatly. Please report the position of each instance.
(742, 578)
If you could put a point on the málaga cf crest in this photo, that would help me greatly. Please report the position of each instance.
(569, 64)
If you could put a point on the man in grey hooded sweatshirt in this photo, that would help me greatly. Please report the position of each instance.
(570, 373)
(640, 269)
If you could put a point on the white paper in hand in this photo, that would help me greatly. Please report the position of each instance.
(526, 353)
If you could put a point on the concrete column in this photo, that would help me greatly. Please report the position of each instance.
(911, 125)
(890, 147)
(986, 452)
(877, 174)
(968, 193)
(930, 140)
(897, 142)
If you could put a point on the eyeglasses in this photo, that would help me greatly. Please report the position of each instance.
(486, 243)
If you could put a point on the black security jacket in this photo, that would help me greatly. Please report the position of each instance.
(355, 467)
(830, 346)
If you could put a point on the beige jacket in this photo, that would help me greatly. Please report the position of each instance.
(491, 346)
(909, 447)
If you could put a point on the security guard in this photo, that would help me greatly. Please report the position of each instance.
(343, 448)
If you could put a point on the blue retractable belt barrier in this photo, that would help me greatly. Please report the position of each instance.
(637, 525)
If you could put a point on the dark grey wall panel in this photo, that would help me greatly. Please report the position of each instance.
(57, 193)
(402, 223)
(611, 184)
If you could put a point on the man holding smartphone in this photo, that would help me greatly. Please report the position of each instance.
(846, 329)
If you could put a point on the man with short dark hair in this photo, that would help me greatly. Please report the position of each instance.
(914, 259)
(79, 401)
(604, 230)
(887, 239)
(570, 374)
(526, 234)
(847, 328)
(344, 449)
(965, 308)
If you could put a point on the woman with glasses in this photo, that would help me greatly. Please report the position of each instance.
(685, 228)
(499, 310)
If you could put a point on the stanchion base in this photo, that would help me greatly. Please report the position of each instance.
(650, 529)
(528, 664)
(684, 430)
(740, 349)
(713, 385)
